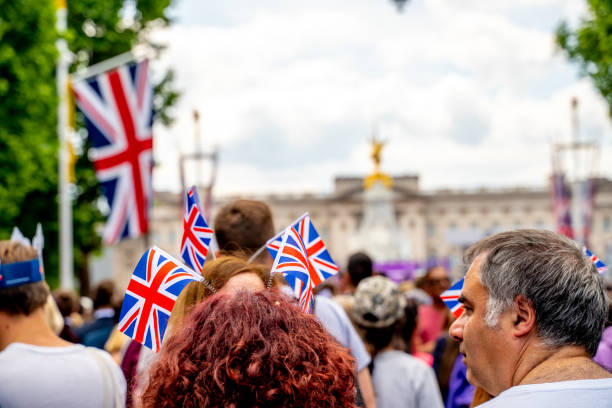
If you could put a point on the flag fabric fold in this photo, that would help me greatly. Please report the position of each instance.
(196, 233)
(292, 261)
(451, 298)
(118, 110)
(156, 283)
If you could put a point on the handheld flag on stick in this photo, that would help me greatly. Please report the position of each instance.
(196, 233)
(150, 296)
(601, 267)
(451, 298)
(291, 260)
(118, 110)
(322, 263)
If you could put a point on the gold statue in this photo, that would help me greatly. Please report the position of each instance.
(376, 149)
(377, 146)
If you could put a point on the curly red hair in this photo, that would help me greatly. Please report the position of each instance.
(251, 350)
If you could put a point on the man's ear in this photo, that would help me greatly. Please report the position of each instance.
(523, 315)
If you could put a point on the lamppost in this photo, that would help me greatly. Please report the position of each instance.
(400, 4)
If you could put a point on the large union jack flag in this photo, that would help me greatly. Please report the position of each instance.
(291, 260)
(322, 263)
(150, 296)
(118, 110)
(196, 233)
(451, 298)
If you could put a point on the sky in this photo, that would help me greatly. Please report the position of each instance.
(467, 94)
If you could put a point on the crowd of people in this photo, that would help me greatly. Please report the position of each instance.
(534, 333)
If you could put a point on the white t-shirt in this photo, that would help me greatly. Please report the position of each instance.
(72, 376)
(574, 394)
(403, 381)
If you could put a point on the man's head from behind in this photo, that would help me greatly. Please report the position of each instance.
(20, 299)
(526, 285)
(243, 226)
(359, 267)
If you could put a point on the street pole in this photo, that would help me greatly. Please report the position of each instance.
(65, 204)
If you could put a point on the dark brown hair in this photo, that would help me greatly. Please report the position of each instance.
(251, 349)
(22, 299)
(243, 226)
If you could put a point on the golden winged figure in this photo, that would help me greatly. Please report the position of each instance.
(377, 146)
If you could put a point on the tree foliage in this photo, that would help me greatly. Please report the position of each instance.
(28, 106)
(97, 30)
(590, 45)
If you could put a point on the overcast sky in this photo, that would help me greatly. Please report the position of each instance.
(467, 93)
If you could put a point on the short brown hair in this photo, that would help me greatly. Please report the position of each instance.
(243, 226)
(22, 299)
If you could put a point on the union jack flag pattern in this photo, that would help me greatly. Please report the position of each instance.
(322, 263)
(150, 296)
(601, 267)
(118, 110)
(291, 260)
(451, 298)
(196, 233)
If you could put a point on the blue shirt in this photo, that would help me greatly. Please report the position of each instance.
(337, 323)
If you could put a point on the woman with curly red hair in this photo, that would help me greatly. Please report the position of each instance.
(251, 349)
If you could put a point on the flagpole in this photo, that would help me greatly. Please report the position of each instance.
(104, 66)
(65, 204)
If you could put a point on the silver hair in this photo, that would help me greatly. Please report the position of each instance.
(552, 272)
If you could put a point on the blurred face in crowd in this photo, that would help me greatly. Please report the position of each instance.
(436, 281)
(249, 280)
(485, 349)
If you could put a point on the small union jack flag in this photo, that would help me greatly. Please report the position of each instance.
(150, 296)
(323, 264)
(601, 267)
(118, 110)
(196, 233)
(291, 260)
(451, 298)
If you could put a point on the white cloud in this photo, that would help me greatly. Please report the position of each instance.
(467, 94)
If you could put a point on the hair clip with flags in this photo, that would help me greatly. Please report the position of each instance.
(451, 298)
(601, 267)
(20, 273)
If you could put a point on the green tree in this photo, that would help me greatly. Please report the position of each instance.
(28, 112)
(590, 45)
(28, 106)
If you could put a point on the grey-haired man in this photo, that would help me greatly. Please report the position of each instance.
(535, 308)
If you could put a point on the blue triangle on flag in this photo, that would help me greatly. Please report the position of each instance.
(148, 342)
(130, 330)
(141, 268)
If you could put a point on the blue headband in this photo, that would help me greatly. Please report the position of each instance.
(20, 273)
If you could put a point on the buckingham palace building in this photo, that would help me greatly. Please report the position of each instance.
(422, 225)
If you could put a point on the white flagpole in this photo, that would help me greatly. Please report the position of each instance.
(65, 204)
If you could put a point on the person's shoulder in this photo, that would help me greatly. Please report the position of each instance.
(567, 392)
(329, 306)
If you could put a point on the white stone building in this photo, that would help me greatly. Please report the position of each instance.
(435, 224)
